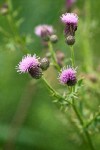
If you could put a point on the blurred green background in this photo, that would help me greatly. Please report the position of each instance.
(28, 118)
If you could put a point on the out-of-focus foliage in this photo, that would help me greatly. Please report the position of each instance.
(28, 118)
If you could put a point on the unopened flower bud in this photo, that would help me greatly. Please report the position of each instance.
(70, 40)
(69, 4)
(45, 35)
(36, 72)
(60, 63)
(60, 58)
(44, 64)
(4, 9)
(92, 78)
(44, 31)
(60, 55)
(53, 38)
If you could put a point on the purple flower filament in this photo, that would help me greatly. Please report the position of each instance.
(68, 76)
(27, 63)
(71, 21)
(31, 65)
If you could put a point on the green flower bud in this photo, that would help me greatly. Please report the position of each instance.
(70, 40)
(53, 38)
(4, 9)
(44, 64)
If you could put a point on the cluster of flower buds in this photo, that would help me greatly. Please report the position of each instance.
(71, 21)
(46, 32)
(33, 65)
(4, 9)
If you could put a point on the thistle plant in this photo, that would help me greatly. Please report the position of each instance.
(68, 75)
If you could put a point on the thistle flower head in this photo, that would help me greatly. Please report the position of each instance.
(69, 3)
(71, 21)
(69, 18)
(27, 63)
(43, 29)
(68, 76)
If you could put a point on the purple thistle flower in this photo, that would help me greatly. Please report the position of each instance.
(69, 3)
(27, 63)
(44, 30)
(68, 76)
(69, 18)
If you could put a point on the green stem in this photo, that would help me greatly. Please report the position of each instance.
(53, 56)
(82, 123)
(15, 32)
(5, 33)
(11, 24)
(10, 5)
(72, 56)
(55, 94)
(87, 51)
(10, 18)
(48, 85)
(89, 140)
(58, 96)
(77, 111)
(92, 120)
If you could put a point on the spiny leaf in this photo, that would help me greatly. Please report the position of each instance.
(80, 81)
(55, 101)
(19, 22)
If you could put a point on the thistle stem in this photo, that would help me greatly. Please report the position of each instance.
(53, 56)
(77, 111)
(82, 123)
(55, 93)
(72, 56)
(59, 97)
(92, 120)
(88, 55)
